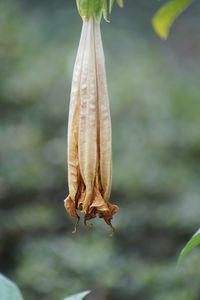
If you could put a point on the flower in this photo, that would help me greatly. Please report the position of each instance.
(89, 132)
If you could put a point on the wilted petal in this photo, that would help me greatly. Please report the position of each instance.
(89, 131)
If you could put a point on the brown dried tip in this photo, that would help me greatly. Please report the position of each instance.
(70, 208)
(105, 212)
(107, 216)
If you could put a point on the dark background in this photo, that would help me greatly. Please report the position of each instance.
(155, 107)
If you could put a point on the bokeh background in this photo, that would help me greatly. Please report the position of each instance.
(155, 107)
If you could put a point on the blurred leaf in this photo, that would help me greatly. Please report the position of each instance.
(193, 242)
(78, 296)
(111, 3)
(120, 3)
(166, 15)
(104, 10)
(8, 290)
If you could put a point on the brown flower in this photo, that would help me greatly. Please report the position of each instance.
(89, 132)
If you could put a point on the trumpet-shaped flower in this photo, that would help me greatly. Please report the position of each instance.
(89, 131)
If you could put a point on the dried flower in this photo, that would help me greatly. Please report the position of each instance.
(89, 131)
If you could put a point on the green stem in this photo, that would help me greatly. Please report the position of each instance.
(95, 8)
(88, 8)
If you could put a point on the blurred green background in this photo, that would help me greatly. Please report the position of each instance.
(155, 107)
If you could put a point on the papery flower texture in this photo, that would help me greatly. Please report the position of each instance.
(89, 132)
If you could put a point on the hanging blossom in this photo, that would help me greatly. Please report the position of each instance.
(89, 132)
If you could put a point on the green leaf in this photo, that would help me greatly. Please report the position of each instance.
(79, 296)
(193, 242)
(8, 290)
(111, 3)
(120, 3)
(166, 15)
(104, 10)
